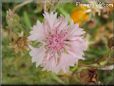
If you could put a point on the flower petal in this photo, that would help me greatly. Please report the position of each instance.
(66, 61)
(50, 18)
(37, 55)
(37, 32)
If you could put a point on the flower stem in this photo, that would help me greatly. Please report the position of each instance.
(21, 5)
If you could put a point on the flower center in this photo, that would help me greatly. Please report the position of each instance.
(56, 41)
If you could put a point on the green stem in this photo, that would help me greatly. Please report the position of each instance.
(57, 79)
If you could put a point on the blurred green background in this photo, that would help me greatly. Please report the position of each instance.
(17, 68)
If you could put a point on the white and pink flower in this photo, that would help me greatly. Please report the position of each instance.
(63, 44)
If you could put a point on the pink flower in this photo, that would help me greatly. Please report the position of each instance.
(62, 43)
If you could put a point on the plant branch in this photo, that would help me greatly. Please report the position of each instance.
(22, 4)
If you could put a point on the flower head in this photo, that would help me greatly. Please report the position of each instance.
(19, 43)
(12, 18)
(80, 14)
(62, 43)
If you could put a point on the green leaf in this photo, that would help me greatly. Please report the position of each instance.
(27, 19)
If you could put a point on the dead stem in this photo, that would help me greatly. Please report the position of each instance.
(22, 4)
